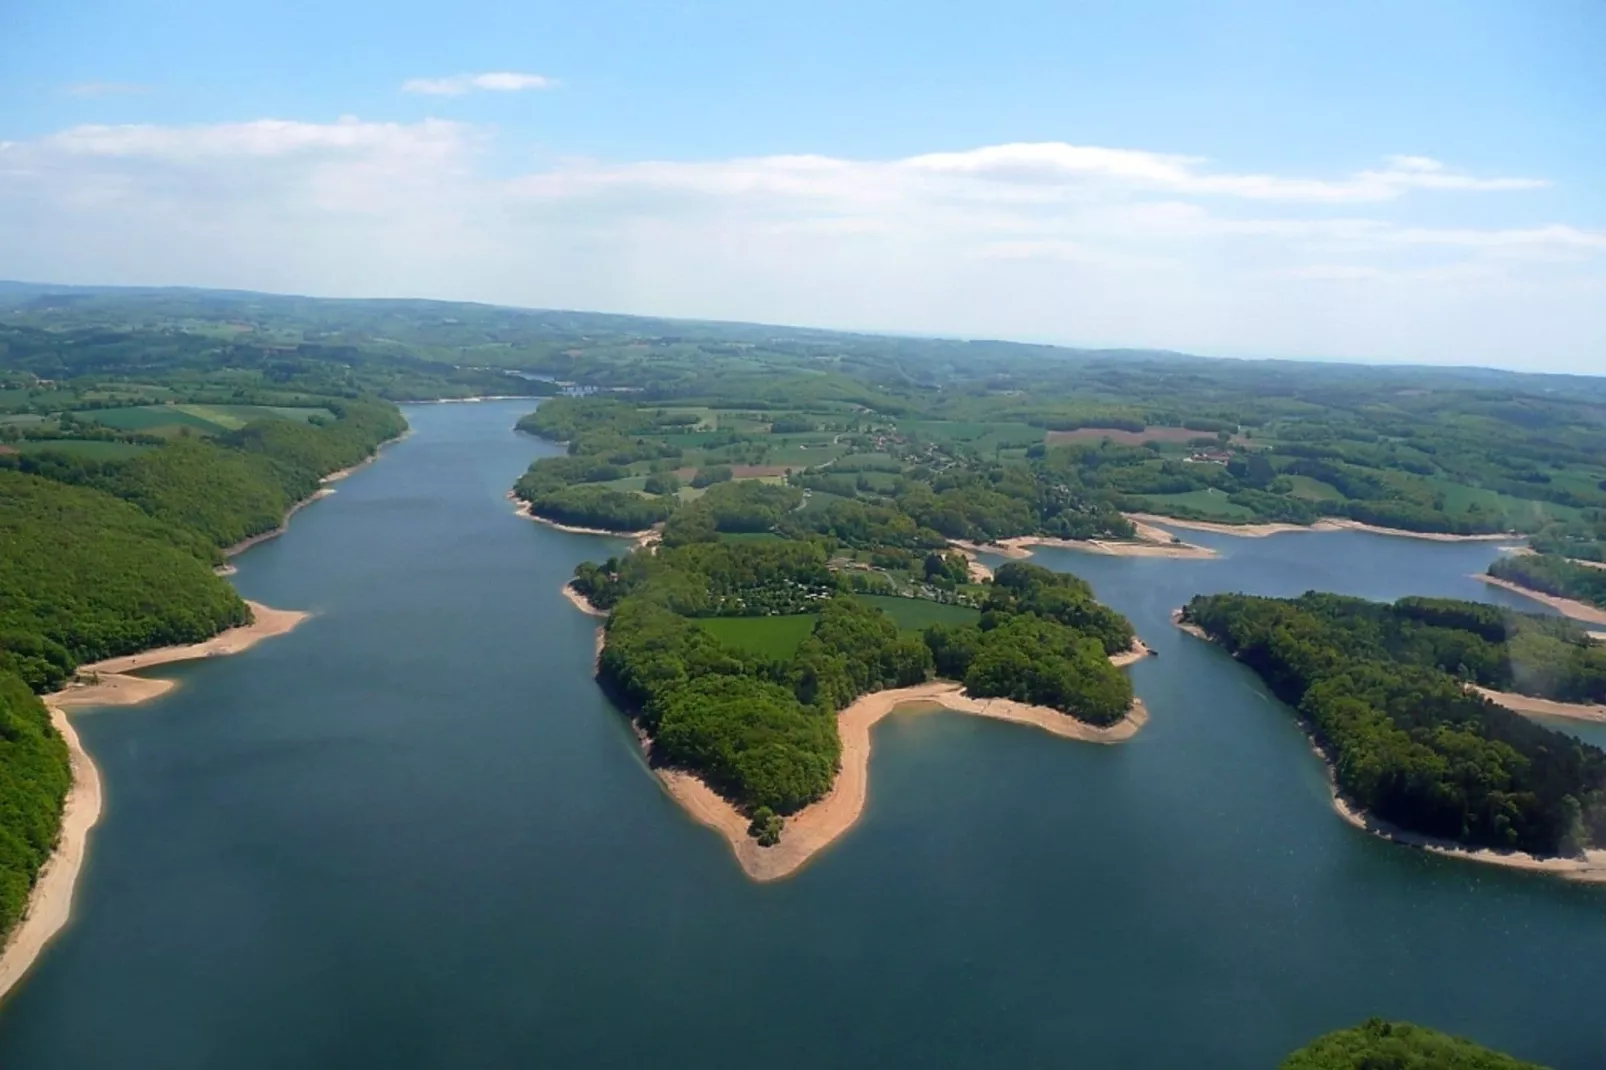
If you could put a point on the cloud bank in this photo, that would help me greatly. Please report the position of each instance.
(1038, 241)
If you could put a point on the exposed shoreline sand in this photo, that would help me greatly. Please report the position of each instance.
(642, 536)
(1591, 868)
(50, 903)
(1577, 711)
(1258, 531)
(820, 824)
(1150, 542)
(1566, 606)
(581, 602)
(1115, 548)
(106, 683)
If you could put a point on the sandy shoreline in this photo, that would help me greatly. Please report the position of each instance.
(1150, 542)
(581, 602)
(1591, 868)
(1577, 711)
(50, 902)
(1566, 606)
(1115, 548)
(1258, 531)
(818, 825)
(522, 508)
(106, 683)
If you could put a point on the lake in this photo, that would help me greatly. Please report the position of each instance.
(414, 834)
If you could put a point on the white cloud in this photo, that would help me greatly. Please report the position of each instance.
(105, 89)
(1041, 171)
(1040, 242)
(494, 82)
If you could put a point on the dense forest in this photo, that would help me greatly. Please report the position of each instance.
(1380, 1045)
(1382, 689)
(1555, 575)
(33, 787)
(758, 722)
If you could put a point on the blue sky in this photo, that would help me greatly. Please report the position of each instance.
(1391, 181)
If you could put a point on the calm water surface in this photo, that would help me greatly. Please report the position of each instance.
(413, 834)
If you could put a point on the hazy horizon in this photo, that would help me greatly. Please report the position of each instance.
(1367, 184)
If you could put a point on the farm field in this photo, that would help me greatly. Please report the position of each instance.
(916, 614)
(1210, 502)
(771, 637)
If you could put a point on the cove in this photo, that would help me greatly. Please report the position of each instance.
(412, 833)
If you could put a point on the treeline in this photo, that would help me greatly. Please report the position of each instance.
(1044, 640)
(1554, 575)
(34, 778)
(1379, 1045)
(1405, 738)
(762, 731)
(85, 576)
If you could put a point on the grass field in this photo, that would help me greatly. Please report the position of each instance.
(1212, 503)
(209, 419)
(1315, 490)
(770, 637)
(915, 614)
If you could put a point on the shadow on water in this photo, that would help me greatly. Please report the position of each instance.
(413, 833)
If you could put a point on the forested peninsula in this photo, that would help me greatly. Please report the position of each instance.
(1574, 587)
(107, 556)
(1385, 692)
(737, 641)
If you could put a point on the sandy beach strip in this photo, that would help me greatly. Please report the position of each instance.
(1259, 531)
(818, 825)
(1566, 606)
(581, 602)
(106, 683)
(1150, 542)
(1189, 627)
(50, 903)
(1117, 548)
(1599, 637)
(1577, 711)
(1589, 869)
(522, 508)
(997, 549)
